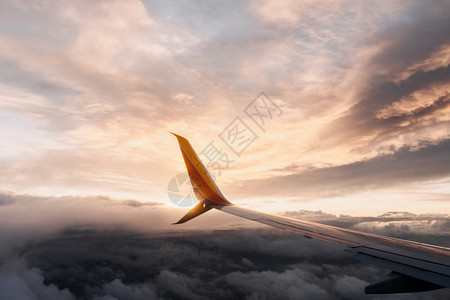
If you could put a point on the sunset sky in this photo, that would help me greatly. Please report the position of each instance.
(330, 111)
(89, 91)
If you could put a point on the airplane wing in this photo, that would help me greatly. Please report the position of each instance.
(415, 266)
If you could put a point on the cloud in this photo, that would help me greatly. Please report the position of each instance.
(345, 287)
(21, 283)
(103, 248)
(291, 284)
(117, 290)
(426, 228)
(198, 265)
(405, 165)
(25, 218)
(405, 47)
(411, 39)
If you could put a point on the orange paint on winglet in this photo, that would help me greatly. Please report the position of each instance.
(202, 183)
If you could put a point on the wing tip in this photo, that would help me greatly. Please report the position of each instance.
(179, 137)
(197, 210)
(205, 187)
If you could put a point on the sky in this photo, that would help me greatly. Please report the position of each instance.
(335, 109)
(354, 115)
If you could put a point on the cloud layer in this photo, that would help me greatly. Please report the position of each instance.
(406, 165)
(102, 248)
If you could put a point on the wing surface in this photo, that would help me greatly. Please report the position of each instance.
(415, 266)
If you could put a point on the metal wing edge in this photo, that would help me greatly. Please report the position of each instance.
(416, 266)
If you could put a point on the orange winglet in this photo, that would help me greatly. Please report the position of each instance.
(204, 187)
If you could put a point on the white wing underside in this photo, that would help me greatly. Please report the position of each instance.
(425, 262)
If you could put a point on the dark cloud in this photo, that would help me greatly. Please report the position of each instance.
(428, 163)
(102, 248)
(203, 265)
(419, 31)
(388, 92)
(7, 198)
(19, 282)
(363, 118)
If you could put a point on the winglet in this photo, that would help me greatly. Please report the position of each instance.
(204, 187)
(196, 211)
